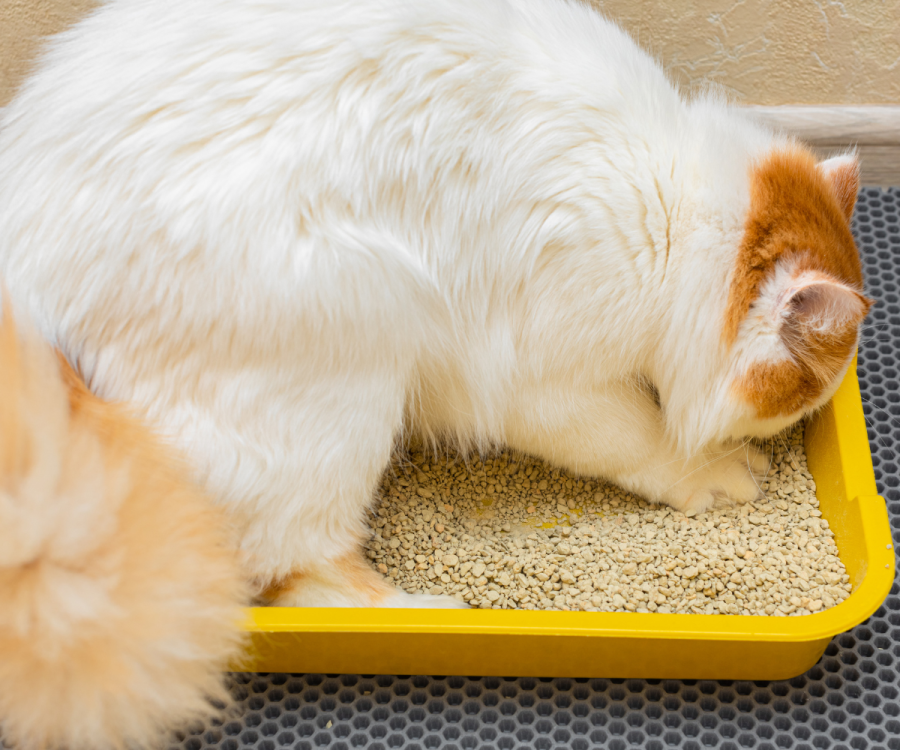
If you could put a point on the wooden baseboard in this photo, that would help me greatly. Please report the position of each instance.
(873, 130)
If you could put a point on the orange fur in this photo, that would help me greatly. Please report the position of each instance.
(362, 579)
(797, 213)
(359, 582)
(774, 389)
(121, 594)
(794, 212)
(782, 388)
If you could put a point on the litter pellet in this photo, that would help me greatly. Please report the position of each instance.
(511, 532)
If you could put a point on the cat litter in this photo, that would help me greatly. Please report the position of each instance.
(511, 532)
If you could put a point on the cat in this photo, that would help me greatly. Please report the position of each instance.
(120, 591)
(293, 232)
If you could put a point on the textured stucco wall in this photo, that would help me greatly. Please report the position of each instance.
(774, 51)
(762, 51)
(23, 25)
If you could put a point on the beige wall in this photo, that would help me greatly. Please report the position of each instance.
(762, 51)
(23, 24)
(774, 51)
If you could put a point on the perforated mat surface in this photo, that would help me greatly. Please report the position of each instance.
(851, 699)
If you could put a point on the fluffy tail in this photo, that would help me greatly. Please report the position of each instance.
(120, 595)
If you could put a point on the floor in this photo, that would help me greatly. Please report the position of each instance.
(851, 699)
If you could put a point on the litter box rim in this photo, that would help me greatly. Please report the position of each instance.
(840, 461)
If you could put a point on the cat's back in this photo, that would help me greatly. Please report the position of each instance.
(167, 79)
(201, 130)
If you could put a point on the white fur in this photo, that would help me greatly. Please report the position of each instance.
(292, 229)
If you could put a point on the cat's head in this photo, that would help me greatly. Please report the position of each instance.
(795, 298)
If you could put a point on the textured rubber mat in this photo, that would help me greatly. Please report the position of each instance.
(851, 699)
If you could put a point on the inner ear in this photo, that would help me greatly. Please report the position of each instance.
(842, 174)
(818, 303)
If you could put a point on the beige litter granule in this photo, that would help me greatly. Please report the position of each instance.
(510, 532)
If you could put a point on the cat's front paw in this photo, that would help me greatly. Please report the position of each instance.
(719, 478)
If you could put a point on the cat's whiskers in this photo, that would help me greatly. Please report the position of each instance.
(787, 448)
(894, 419)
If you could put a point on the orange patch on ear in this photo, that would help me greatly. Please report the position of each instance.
(794, 211)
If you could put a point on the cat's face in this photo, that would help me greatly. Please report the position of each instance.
(795, 301)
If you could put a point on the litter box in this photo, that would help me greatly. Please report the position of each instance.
(614, 644)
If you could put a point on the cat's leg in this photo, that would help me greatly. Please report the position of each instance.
(618, 433)
(298, 463)
(348, 581)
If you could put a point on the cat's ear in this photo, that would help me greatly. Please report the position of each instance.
(842, 173)
(812, 302)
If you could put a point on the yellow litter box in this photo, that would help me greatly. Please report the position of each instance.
(613, 644)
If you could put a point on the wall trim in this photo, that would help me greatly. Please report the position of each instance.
(873, 129)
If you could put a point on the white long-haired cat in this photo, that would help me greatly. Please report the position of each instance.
(292, 230)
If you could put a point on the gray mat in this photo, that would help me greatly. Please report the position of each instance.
(848, 700)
